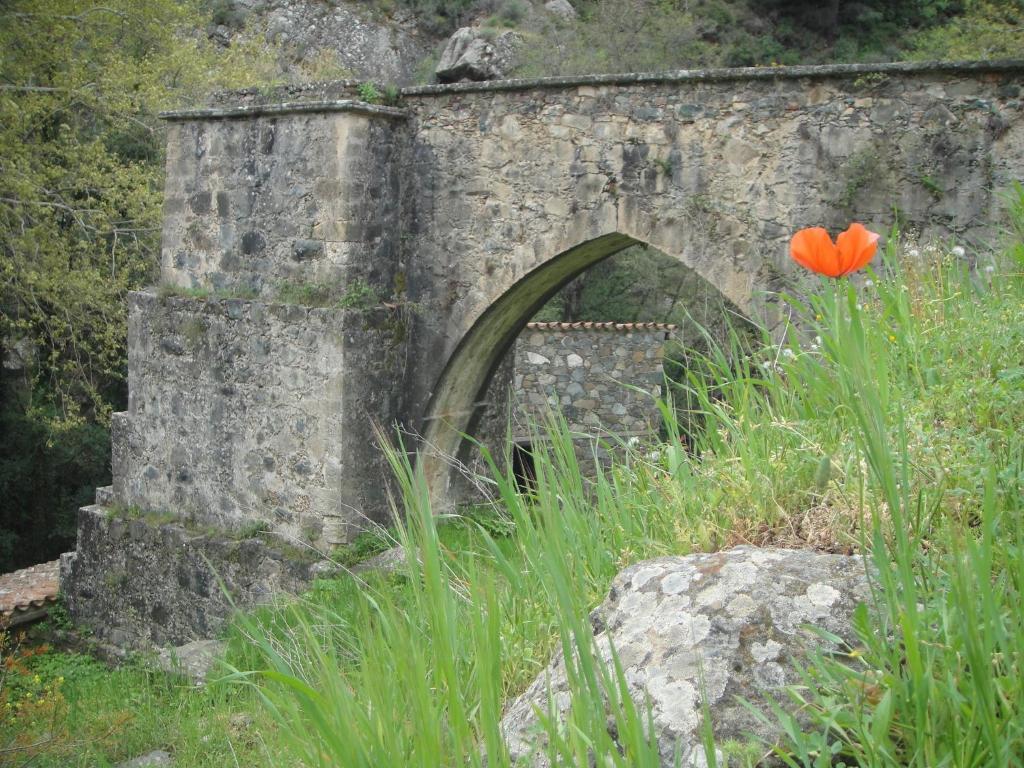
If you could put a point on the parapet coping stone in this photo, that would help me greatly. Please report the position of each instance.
(727, 74)
(681, 76)
(287, 108)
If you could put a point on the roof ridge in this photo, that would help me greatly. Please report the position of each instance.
(593, 325)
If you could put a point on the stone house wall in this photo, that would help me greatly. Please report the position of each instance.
(602, 377)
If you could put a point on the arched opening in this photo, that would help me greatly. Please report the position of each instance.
(456, 406)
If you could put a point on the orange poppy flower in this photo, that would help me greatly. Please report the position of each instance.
(852, 250)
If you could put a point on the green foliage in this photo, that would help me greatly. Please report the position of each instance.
(989, 29)
(509, 13)
(650, 35)
(81, 176)
(439, 17)
(938, 679)
(356, 295)
(309, 294)
(364, 546)
(167, 291)
(368, 92)
(67, 710)
(45, 476)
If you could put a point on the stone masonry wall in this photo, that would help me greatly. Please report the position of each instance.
(137, 581)
(241, 411)
(461, 214)
(517, 187)
(475, 202)
(585, 370)
(282, 198)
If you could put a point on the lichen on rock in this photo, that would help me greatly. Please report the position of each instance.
(732, 625)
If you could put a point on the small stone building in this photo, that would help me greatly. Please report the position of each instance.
(603, 377)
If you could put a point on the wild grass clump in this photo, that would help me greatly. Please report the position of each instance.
(888, 424)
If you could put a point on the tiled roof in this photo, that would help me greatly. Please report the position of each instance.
(26, 594)
(595, 326)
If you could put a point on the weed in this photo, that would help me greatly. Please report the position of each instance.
(364, 546)
(194, 331)
(253, 529)
(244, 292)
(392, 95)
(307, 294)
(665, 167)
(870, 80)
(358, 295)
(168, 290)
(933, 187)
(368, 92)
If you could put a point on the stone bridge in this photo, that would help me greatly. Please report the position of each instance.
(436, 227)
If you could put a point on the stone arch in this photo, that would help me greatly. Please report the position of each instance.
(452, 409)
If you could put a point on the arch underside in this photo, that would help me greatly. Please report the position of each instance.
(455, 405)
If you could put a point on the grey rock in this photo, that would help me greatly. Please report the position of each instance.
(155, 759)
(194, 660)
(561, 8)
(358, 40)
(740, 618)
(472, 55)
(386, 562)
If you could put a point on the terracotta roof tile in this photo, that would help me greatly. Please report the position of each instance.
(26, 594)
(589, 325)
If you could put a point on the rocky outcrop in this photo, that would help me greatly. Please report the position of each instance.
(561, 8)
(475, 54)
(734, 624)
(367, 46)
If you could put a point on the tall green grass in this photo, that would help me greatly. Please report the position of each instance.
(889, 424)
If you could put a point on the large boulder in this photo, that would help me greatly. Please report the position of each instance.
(475, 54)
(562, 8)
(735, 622)
(353, 36)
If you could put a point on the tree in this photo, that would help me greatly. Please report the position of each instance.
(81, 177)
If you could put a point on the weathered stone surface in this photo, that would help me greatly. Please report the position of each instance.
(561, 8)
(473, 54)
(589, 371)
(194, 660)
(138, 583)
(242, 412)
(158, 758)
(738, 617)
(346, 33)
(259, 204)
